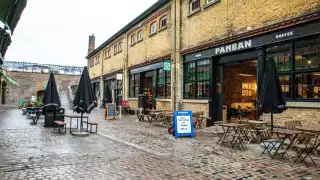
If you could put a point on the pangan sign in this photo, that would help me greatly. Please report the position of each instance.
(233, 47)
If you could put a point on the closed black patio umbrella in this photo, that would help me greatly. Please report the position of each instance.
(270, 96)
(107, 97)
(51, 102)
(84, 100)
(51, 96)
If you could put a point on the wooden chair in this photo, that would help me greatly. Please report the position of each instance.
(197, 119)
(304, 149)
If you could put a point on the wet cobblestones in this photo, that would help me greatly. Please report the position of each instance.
(128, 149)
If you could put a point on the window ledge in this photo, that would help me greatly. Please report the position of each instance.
(139, 41)
(119, 51)
(152, 34)
(163, 28)
(199, 101)
(210, 4)
(194, 12)
(164, 100)
(132, 99)
(303, 104)
(132, 44)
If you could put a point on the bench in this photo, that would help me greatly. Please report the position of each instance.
(93, 124)
(24, 111)
(34, 118)
(60, 125)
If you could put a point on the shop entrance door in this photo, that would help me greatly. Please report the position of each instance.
(240, 92)
(148, 88)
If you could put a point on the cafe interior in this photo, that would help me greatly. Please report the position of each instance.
(239, 91)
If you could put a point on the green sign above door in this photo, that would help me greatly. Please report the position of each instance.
(166, 65)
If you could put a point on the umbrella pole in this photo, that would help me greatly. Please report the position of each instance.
(271, 121)
(81, 126)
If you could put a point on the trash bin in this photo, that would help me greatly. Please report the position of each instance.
(119, 103)
(142, 101)
(224, 114)
(49, 117)
(59, 116)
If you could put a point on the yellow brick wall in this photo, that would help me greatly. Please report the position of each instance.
(133, 103)
(154, 46)
(95, 71)
(194, 106)
(230, 17)
(116, 61)
(163, 105)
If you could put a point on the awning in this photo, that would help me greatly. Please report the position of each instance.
(8, 79)
(10, 12)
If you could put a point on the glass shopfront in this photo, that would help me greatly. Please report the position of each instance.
(114, 85)
(152, 81)
(298, 67)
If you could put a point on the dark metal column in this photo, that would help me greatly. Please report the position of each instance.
(260, 71)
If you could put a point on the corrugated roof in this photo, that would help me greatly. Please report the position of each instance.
(131, 24)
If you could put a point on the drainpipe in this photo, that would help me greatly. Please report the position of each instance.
(175, 51)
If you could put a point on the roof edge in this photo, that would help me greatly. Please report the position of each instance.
(143, 15)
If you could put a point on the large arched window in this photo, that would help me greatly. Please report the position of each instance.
(163, 22)
(153, 28)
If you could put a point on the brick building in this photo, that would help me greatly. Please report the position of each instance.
(217, 50)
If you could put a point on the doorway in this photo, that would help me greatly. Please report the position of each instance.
(148, 87)
(240, 89)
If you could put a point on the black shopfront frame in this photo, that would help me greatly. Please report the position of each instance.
(255, 48)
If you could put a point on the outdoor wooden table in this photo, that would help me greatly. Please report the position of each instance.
(227, 130)
(287, 134)
(77, 117)
(153, 116)
(36, 112)
(257, 132)
(312, 129)
(37, 116)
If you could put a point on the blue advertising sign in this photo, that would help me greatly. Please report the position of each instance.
(183, 124)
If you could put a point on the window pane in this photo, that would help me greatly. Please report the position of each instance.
(307, 85)
(281, 54)
(137, 91)
(285, 84)
(137, 80)
(168, 89)
(190, 90)
(161, 76)
(131, 80)
(190, 72)
(131, 91)
(203, 68)
(160, 91)
(203, 89)
(307, 53)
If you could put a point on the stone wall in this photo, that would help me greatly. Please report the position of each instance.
(308, 116)
(163, 105)
(30, 83)
(197, 106)
(133, 103)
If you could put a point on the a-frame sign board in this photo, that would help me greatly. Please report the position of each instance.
(110, 113)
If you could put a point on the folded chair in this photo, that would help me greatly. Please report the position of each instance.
(238, 139)
(270, 144)
(305, 149)
(220, 133)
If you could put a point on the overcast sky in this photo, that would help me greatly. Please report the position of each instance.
(57, 31)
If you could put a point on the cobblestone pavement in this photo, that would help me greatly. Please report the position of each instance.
(129, 149)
